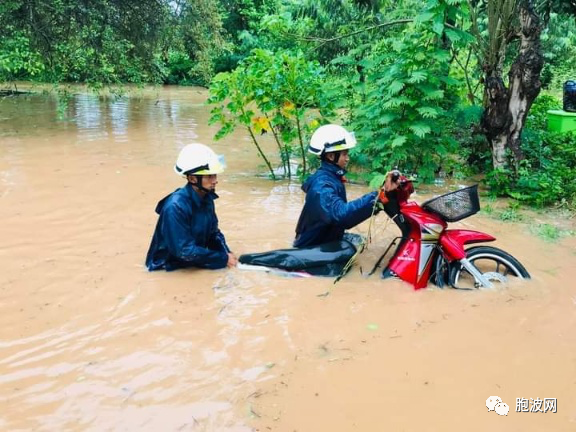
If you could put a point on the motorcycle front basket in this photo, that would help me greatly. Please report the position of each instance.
(455, 206)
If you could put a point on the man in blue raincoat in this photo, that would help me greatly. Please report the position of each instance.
(327, 213)
(187, 233)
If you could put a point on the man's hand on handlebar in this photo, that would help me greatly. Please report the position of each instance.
(391, 183)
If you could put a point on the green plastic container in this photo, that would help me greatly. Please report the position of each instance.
(561, 121)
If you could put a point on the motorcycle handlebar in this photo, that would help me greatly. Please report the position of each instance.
(405, 187)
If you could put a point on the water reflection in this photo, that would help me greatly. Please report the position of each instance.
(88, 118)
(119, 117)
(100, 118)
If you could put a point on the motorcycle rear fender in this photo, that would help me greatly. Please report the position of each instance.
(453, 241)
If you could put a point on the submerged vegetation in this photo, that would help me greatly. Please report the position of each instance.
(437, 88)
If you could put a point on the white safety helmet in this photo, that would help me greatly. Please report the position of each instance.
(331, 138)
(198, 159)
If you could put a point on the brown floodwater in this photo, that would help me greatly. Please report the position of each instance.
(92, 341)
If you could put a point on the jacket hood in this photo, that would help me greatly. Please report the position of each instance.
(162, 202)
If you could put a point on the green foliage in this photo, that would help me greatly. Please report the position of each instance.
(405, 75)
(488, 209)
(17, 58)
(242, 21)
(111, 42)
(559, 47)
(546, 176)
(537, 119)
(199, 30)
(474, 150)
(512, 213)
(178, 67)
(403, 98)
(278, 93)
(548, 232)
(105, 42)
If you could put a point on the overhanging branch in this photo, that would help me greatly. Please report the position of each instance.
(327, 40)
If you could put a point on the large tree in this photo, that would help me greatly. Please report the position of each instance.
(506, 105)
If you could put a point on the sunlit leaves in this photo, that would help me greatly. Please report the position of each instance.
(420, 129)
(418, 76)
(17, 58)
(398, 141)
(428, 112)
(395, 87)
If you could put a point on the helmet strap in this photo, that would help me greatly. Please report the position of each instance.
(198, 183)
(333, 161)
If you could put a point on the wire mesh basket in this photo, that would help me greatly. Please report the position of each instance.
(455, 206)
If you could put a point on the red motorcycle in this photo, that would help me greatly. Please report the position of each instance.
(428, 251)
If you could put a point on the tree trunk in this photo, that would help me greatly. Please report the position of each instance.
(506, 108)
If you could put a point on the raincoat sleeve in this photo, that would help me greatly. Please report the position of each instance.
(219, 242)
(181, 243)
(335, 210)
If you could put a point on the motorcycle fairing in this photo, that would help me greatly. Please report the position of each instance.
(453, 241)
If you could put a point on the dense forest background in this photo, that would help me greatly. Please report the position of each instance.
(438, 88)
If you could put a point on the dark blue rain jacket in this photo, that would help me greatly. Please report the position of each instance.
(187, 233)
(326, 213)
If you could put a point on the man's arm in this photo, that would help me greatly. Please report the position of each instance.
(345, 214)
(220, 241)
(182, 244)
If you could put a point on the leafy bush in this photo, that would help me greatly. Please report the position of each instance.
(18, 59)
(548, 232)
(401, 96)
(280, 93)
(179, 65)
(537, 119)
(546, 177)
(475, 151)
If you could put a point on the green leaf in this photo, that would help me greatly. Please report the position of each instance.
(453, 35)
(398, 141)
(367, 63)
(423, 17)
(387, 118)
(450, 81)
(395, 87)
(438, 28)
(434, 95)
(418, 76)
(428, 112)
(377, 181)
(344, 60)
(420, 129)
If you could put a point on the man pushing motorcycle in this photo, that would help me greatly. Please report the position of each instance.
(327, 213)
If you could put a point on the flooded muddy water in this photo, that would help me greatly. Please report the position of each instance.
(92, 341)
